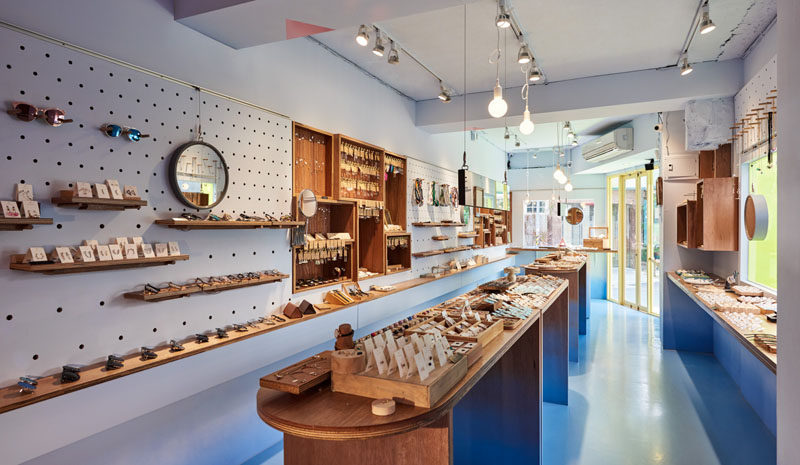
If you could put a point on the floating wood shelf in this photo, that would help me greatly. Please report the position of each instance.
(397, 233)
(64, 268)
(190, 289)
(431, 253)
(440, 238)
(68, 199)
(437, 224)
(334, 282)
(19, 224)
(467, 235)
(187, 225)
(392, 269)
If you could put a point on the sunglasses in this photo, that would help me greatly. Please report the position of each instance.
(27, 112)
(113, 130)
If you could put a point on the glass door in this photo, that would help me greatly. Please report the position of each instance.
(633, 221)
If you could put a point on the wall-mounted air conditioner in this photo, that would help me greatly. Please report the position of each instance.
(609, 145)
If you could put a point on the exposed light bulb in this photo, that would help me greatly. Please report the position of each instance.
(497, 106)
(706, 25)
(362, 38)
(526, 126)
(686, 68)
(378, 49)
(524, 55)
(559, 175)
(568, 186)
(507, 134)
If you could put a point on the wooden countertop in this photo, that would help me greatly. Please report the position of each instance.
(322, 414)
(767, 358)
(558, 249)
(536, 267)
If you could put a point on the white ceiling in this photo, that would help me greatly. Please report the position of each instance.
(570, 39)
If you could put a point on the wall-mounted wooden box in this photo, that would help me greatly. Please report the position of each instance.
(715, 163)
(717, 214)
(357, 169)
(396, 190)
(372, 245)
(686, 224)
(312, 160)
(398, 257)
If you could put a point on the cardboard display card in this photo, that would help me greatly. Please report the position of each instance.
(87, 254)
(162, 250)
(422, 366)
(83, 190)
(174, 249)
(64, 255)
(130, 192)
(380, 361)
(402, 365)
(103, 253)
(114, 189)
(24, 192)
(116, 252)
(101, 191)
(10, 209)
(131, 251)
(409, 351)
(35, 255)
(30, 209)
(147, 251)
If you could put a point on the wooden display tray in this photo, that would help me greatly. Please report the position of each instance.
(63, 268)
(282, 379)
(190, 289)
(429, 253)
(397, 233)
(187, 225)
(465, 235)
(410, 391)
(68, 199)
(436, 224)
(440, 238)
(19, 224)
(483, 338)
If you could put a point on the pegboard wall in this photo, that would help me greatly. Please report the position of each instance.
(750, 96)
(48, 321)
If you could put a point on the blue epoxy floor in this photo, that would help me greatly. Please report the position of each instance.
(632, 403)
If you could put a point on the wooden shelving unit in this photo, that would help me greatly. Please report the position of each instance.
(312, 151)
(340, 141)
(437, 225)
(372, 245)
(711, 222)
(21, 224)
(190, 289)
(396, 189)
(82, 267)
(186, 225)
(68, 199)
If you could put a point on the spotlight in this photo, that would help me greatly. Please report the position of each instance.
(444, 95)
(502, 20)
(535, 154)
(507, 135)
(524, 55)
(568, 186)
(535, 74)
(706, 25)
(686, 68)
(394, 57)
(497, 106)
(362, 38)
(574, 142)
(516, 141)
(526, 126)
(378, 49)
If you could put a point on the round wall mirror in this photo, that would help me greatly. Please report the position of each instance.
(199, 175)
(574, 216)
(756, 217)
(307, 203)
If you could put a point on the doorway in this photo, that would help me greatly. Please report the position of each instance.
(634, 229)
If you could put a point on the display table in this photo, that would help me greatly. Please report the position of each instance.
(497, 403)
(578, 299)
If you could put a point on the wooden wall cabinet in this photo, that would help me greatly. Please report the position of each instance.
(715, 163)
(686, 224)
(396, 189)
(372, 245)
(716, 215)
(357, 169)
(312, 151)
(398, 259)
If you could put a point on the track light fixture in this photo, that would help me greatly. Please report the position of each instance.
(534, 74)
(502, 20)
(686, 68)
(394, 57)
(706, 25)
(574, 142)
(378, 49)
(444, 95)
(362, 38)
(524, 56)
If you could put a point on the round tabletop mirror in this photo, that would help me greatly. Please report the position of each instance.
(199, 175)
(307, 203)
(574, 216)
(756, 217)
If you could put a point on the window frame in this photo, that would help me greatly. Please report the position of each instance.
(744, 243)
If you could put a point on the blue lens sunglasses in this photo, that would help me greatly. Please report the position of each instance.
(113, 130)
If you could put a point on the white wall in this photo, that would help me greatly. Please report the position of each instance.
(761, 52)
(788, 263)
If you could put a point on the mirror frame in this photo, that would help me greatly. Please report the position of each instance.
(173, 174)
(300, 203)
(567, 216)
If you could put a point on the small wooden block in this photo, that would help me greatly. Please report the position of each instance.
(383, 407)
(292, 311)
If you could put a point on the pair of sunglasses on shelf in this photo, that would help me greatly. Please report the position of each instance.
(26, 112)
(114, 130)
(211, 282)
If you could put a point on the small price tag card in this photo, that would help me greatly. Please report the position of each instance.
(391, 345)
(101, 191)
(380, 361)
(116, 252)
(173, 249)
(402, 365)
(30, 209)
(379, 341)
(417, 342)
(87, 254)
(147, 251)
(103, 253)
(83, 189)
(369, 348)
(131, 251)
(114, 189)
(130, 192)
(422, 367)
(10, 209)
(441, 355)
(35, 255)
(409, 351)
(63, 255)
(24, 192)
(162, 250)
(120, 241)
(136, 240)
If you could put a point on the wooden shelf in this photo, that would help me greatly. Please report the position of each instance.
(197, 289)
(186, 225)
(19, 224)
(431, 253)
(68, 199)
(64, 268)
(398, 270)
(397, 233)
(437, 224)
(467, 235)
(440, 238)
(335, 282)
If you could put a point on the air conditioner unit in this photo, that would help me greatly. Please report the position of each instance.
(609, 145)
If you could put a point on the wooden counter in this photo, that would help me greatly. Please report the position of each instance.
(770, 360)
(341, 428)
(558, 249)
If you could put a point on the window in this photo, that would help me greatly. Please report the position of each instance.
(542, 225)
(760, 258)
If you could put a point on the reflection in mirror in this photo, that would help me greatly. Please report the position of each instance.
(307, 203)
(479, 191)
(199, 175)
(574, 216)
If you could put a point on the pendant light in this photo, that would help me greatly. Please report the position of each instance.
(706, 25)
(526, 126)
(362, 38)
(559, 175)
(497, 106)
(507, 134)
(568, 186)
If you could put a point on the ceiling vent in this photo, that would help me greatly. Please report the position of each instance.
(609, 145)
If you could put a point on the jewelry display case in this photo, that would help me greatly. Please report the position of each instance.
(313, 160)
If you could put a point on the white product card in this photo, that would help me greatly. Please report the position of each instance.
(130, 192)
(120, 241)
(417, 342)
(463, 315)
(30, 209)
(379, 341)
(24, 192)
(380, 361)
(131, 251)
(10, 209)
(391, 345)
(91, 243)
(444, 314)
(103, 253)
(436, 333)
(114, 189)
(388, 335)
(488, 317)
(87, 254)
(478, 317)
(428, 339)
(83, 189)
(402, 365)
(369, 348)
(445, 347)
(392, 364)
(36, 254)
(409, 351)
(147, 251)
(173, 249)
(422, 366)
(116, 252)
(428, 356)
(137, 240)
(64, 255)
(162, 250)
(101, 191)
(441, 355)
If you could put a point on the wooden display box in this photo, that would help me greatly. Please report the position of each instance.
(312, 152)
(399, 258)
(483, 338)
(715, 163)
(717, 214)
(411, 390)
(372, 245)
(396, 195)
(340, 175)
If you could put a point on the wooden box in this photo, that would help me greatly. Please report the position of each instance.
(312, 152)
(493, 330)
(411, 390)
(715, 163)
(342, 178)
(717, 214)
(597, 242)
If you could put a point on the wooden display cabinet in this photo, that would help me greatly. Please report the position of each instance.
(717, 214)
(312, 151)
(398, 259)
(372, 245)
(396, 189)
(715, 163)
(493, 227)
(359, 155)
(332, 217)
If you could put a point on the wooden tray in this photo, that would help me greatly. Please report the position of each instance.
(312, 371)
(483, 338)
(68, 199)
(19, 224)
(63, 268)
(190, 289)
(203, 224)
(411, 391)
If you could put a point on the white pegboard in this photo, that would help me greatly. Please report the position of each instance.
(48, 321)
(749, 97)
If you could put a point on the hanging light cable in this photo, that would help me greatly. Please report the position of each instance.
(526, 126)
(497, 106)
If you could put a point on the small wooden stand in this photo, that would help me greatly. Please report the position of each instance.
(19, 224)
(68, 199)
(205, 224)
(80, 267)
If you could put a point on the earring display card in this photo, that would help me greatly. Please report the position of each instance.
(87, 254)
(162, 250)
(24, 192)
(116, 252)
(35, 255)
(10, 209)
(121, 241)
(103, 253)
(147, 251)
(173, 249)
(30, 209)
(131, 251)
(130, 193)
(83, 189)
(63, 255)
(91, 243)
(101, 191)
(114, 189)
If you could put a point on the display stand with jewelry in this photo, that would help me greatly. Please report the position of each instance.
(22, 212)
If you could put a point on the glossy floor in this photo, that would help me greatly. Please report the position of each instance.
(632, 403)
